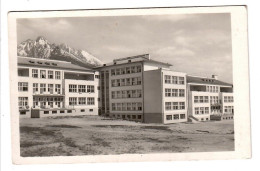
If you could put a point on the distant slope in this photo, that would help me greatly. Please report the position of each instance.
(41, 48)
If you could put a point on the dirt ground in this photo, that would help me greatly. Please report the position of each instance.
(93, 135)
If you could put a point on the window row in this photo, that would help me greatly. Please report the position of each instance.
(73, 88)
(126, 70)
(50, 87)
(127, 106)
(126, 82)
(173, 79)
(228, 109)
(174, 105)
(175, 117)
(73, 101)
(213, 89)
(228, 99)
(201, 99)
(127, 116)
(201, 110)
(214, 99)
(174, 92)
(46, 74)
(45, 102)
(126, 94)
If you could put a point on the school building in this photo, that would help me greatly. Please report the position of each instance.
(135, 88)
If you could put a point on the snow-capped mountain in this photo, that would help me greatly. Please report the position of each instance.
(41, 48)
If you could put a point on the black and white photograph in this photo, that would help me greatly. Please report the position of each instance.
(129, 82)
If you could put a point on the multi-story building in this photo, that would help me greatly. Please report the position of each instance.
(56, 88)
(209, 99)
(141, 89)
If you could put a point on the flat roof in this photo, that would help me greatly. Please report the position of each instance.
(203, 80)
(48, 63)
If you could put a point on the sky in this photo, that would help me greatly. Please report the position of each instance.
(198, 44)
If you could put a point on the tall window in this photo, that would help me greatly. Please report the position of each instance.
(72, 88)
(35, 87)
(57, 75)
(113, 94)
(181, 80)
(168, 106)
(50, 74)
(139, 93)
(174, 92)
(196, 99)
(134, 106)
(139, 81)
(35, 73)
(133, 69)
(82, 88)
(139, 69)
(206, 99)
(175, 106)
(128, 81)
(118, 71)
(42, 74)
(57, 88)
(122, 82)
(50, 88)
(22, 86)
(90, 89)
(134, 81)
(124, 106)
(22, 101)
(197, 111)
(118, 95)
(124, 95)
(206, 110)
(113, 72)
(128, 70)
(134, 93)
(139, 106)
(167, 92)
(82, 100)
(73, 101)
(129, 106)
(181, 93)
(113, 106)
(167, 79)
(42, 88)
(113, 83)
(174, 80)
(91, 101)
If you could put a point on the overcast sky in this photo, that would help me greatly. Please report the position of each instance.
(196, 44)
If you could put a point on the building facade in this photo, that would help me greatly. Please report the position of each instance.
(52, 88)
(209, 99)
(134, 88)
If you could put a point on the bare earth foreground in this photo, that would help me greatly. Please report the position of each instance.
(93, 135)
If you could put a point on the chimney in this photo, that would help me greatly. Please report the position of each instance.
(215, 77)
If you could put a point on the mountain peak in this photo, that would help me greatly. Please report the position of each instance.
(41, 48)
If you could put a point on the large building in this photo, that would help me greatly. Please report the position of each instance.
(141, 89)
(134, 88)
(209, 99)
(51, 88)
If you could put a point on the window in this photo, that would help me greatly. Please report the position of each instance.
(113, 72)
(118, 95)
(181, 80)
(139, 106)
(167, 79)
(128, 82)
(124, 94)
(118, 106)
(35, 87)
(174, 80)
(206, 110)
(35, 73)
(134, 106)
(128, 70)
(176, 116)
(123, 71)
(22, 101)
(139, 69)
(168, 117)
(22, 86)
(113, 83)
(82, 100)
(57, 88)
(133, 93)
(139, 93)
(91, 101)
(73, 101)
(134, 81)
(167, 92)
(97, 76)
(182, 116)
(113, 106)
(206, 99)
(175, 105)
(201, 99)
(90, 89)
(72, 88)
(168, 106)
(174, 92)
(181, 93)
(139, 117)
(42, 74)
(118, 71)
(57, 75)
(197, 111)
(196, 99)
(82, 88)
(50, 88)
(181, 105)
(139, 81)
(42, 88)
(113, 95)
(50, 74)
(133, 69)
(118, 82)
(201, 110)
(129, 106)
(128, 94)
(122, 82)
(124, 106)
